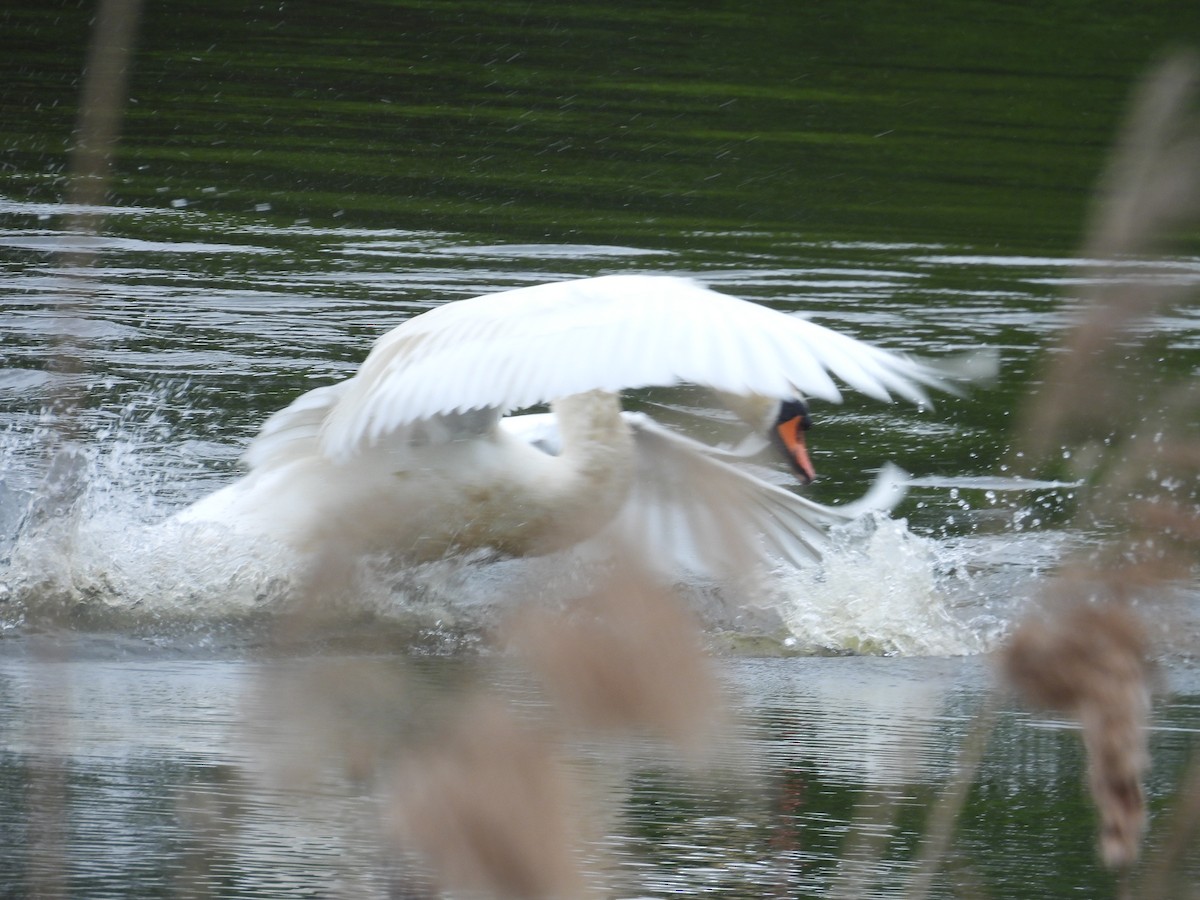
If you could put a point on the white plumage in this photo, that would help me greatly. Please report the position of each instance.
(416, 455)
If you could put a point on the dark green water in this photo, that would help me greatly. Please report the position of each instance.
(293, 179)
(977, 123)
(168, 791)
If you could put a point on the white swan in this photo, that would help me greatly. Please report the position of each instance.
(415, 455)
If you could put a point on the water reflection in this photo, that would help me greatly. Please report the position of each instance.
(164, 774)
(156, 784)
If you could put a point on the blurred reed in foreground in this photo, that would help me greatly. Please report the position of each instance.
(483, 793)
(486, 797)
(96, 131)
(1111, 405)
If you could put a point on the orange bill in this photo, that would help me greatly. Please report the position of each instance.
(791, 435)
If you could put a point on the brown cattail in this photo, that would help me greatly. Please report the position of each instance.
(1089, 661)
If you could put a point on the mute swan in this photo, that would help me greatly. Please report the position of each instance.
(415, 455)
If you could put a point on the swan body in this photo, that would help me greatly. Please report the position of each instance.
(416, 455)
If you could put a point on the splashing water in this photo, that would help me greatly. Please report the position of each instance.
(882, 590)
(106, 555)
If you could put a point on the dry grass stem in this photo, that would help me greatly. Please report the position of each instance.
(628, 657)
(356, 711)
(103, 99)
(1089, 662)
(482, 798)
(1166, 877)
(489, 806)
(1108, 402)
(939, 830)
(1151, 187)
(96, 129)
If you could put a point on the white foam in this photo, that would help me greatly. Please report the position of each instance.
(114, 558)
(881, 590)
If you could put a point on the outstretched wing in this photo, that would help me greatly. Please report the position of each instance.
(710, 516)
(688, 509)
(519, 348)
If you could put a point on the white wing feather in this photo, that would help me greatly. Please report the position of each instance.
(694, 511)
(701, 513)
(294, 432)
(518, 348)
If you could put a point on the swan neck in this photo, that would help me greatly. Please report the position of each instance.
(589, 422)
(594, 470)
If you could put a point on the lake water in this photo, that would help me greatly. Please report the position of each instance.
(293, 182)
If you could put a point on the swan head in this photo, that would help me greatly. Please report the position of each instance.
(787, 433)
(784, 423)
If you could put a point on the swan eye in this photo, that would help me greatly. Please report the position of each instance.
(794, 409)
